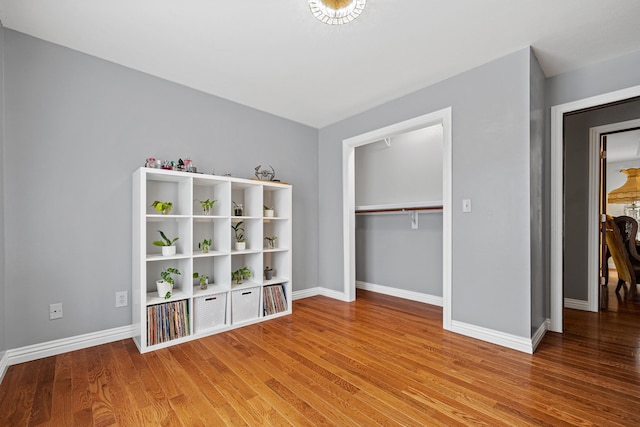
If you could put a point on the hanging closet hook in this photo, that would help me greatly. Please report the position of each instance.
(413, 216)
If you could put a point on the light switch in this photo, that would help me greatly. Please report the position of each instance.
(466, 205)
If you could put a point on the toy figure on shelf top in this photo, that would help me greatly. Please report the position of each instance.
(265, 175)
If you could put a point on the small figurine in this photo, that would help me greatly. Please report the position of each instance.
(264, 174)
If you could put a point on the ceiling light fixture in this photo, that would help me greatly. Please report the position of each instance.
(628, 194)
(336, 12)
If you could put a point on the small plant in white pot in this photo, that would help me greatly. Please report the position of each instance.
(165, 285)
(268, 212)
(205, 245)
(167, 245)
(271, 241)
(239, 274)
(203, 280)
(268, 273)
(238, 232)
(206, 205)
(162, 207)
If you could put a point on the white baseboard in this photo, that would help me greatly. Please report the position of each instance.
(400, 293)
(4, 364)
(64, 345)
(537, 337)
(514, 342)
(576, 304)
(312, 292)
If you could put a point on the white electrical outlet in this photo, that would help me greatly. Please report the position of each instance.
(55, 311)
(121, 299)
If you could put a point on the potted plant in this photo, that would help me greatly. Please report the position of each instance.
(238, 231)
(203, 279)
(239, 274)
(268, 212)
(206, 205)
(204, 245)
(162, 207)
(165, 285)
(268, 273)
(271, 241)
(166, 244)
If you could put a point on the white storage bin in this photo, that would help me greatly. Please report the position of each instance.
(245, 304)
(210, 311)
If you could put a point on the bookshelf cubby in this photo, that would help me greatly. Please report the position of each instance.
(223, 305)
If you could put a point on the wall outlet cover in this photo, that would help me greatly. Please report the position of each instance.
(122, 299)
(55, 311)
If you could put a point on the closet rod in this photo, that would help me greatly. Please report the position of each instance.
(416, 208)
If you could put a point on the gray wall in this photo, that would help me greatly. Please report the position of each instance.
(76, 129)
(576, 190)
(3, 309)
(603, 77)
(390, 253)
(408, 170)
(539, 242)
(491, 246)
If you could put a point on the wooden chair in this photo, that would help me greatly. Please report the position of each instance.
(621, 242)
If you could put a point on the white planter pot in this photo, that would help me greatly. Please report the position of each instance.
(241, 246)
(268, 213)
(163, 288)
(168, 250)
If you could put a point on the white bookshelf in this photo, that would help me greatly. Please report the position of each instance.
(188, 222)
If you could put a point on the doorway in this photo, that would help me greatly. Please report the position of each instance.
(557, 193)
(442, 117)
(623, 151)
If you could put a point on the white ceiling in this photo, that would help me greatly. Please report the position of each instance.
(623, 146)
(273, 55)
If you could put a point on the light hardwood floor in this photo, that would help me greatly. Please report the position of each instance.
(378, 361)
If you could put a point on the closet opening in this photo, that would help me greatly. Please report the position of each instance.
(382, 197)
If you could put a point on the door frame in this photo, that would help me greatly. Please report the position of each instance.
(593, 262)
(442, 117)
(557, 193)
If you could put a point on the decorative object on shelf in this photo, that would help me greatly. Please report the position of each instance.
(238, 232)
(168, 249)
(241, 273)
(268, 273)
(265, 175)
(206, 205)
(268, 212)
(165, 285)
(271, 241)
(203, 280)
(189, 167)
(162, 207)
(336, 12)
(628, 194)
(238, 210)
(205, 245)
